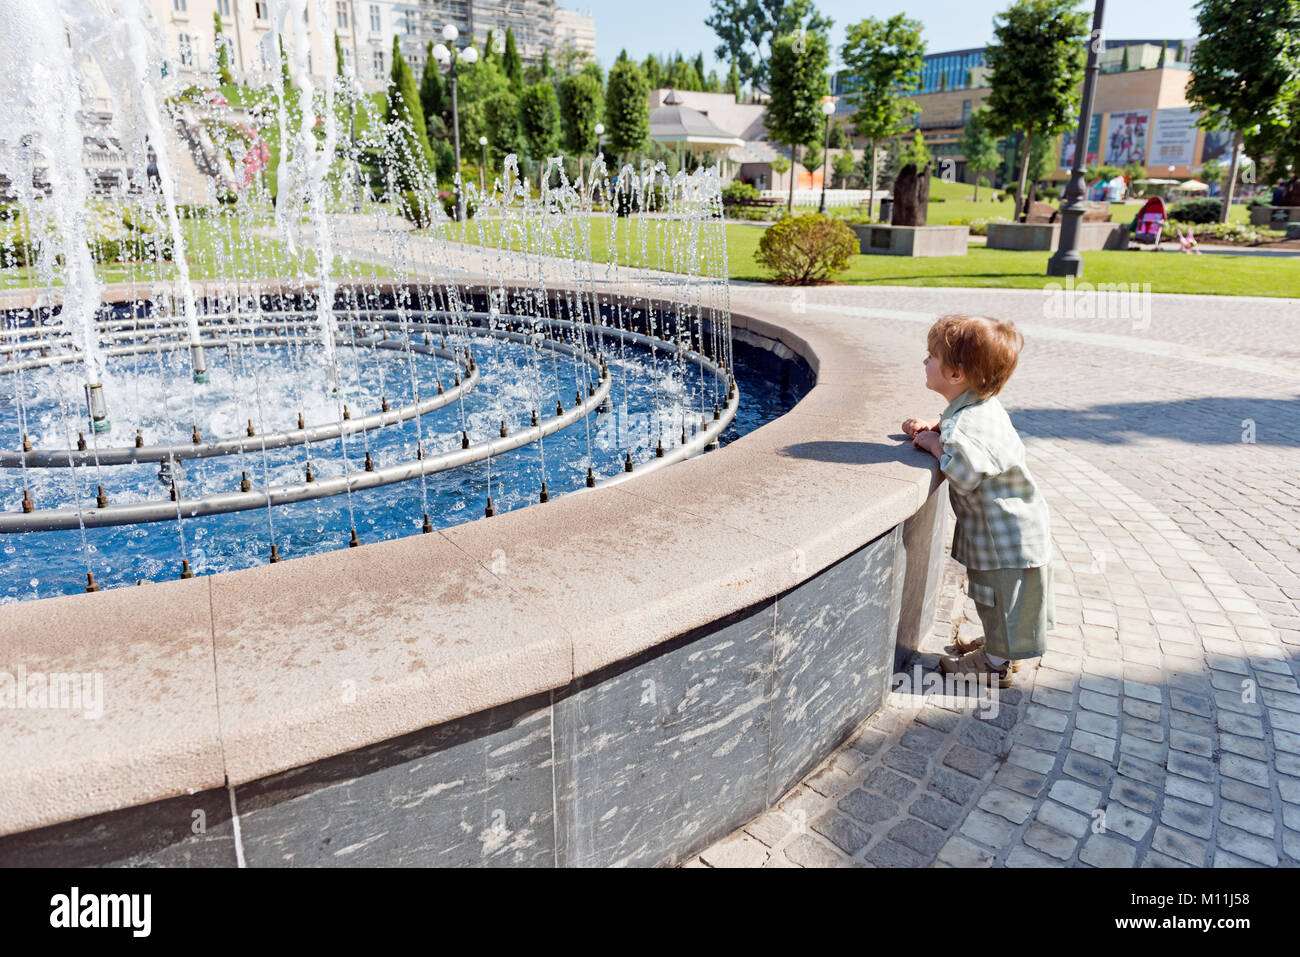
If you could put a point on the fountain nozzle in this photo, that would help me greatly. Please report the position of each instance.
(200, 364)
(98, 409)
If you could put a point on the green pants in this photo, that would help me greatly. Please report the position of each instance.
(1016, 608)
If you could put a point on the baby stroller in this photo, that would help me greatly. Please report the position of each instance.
(1149, 222)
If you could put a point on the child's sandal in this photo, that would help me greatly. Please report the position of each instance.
(964, 647)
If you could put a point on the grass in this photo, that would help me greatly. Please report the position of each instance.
(1168, 272)
(217, 246)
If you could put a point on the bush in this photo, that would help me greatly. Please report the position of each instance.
(447, 197)
(738, 192)
(809, 249)
(979, 226)
(1224, 232)
(1048, 192)
(1196, 211)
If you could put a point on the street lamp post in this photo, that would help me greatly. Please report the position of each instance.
(828, 107)
(448, 55)
(482, 145)
(1066, 261)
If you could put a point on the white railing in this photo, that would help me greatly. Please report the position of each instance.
(834, 197)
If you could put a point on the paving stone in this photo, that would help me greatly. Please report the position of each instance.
(1053, 843)
(808, 851)
(1198, 792)
(1008, 804)
(969, 761)
(1140, 770)
(1189, 765)
(770, 828)
(1101, 703)
(1244, 769)
(1061, 818)
(1076, 795)
(1031, 759)
(1145, 710)
(1246, 747)
(983, 737)
(1147, 730)
(1192, 818)
(1088, 769)
(1182, 721)
(919, 836)
(1243, 793)
(842, 831)
(1178, 845)
(1022, 856)
(1038, 738)
(1126, 821)
(1097, 745)
(909, 762)
(1060, 700)
(1101, 850)
(1193, 703)
(1249, 846)
(1147, 692)
(1096, 723)
(987, 828)
(891, 785)
(1247, 818)
(889, 854)
(1290, 789)
(1029, 783)
(938, 718)
(926, 741)
(960, 852)
(1156, 859)
(955, 787)
(936, 811)
(869, 740)
(1140, 747)
(1109, 686)
(1198, 744)
(868, 808)
(739, 850)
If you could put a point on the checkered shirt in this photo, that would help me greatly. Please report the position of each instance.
(1002, 519)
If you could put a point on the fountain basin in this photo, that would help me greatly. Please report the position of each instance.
(618, 676)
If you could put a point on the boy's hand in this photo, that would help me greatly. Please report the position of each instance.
(913, 426)
(929, 440)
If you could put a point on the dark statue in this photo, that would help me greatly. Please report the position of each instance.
(911, 196)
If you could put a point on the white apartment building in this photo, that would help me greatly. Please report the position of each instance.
(577, 30)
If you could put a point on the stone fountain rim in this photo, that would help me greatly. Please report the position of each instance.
(209, 702)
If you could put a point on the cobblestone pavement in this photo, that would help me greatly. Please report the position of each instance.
(1162, 728)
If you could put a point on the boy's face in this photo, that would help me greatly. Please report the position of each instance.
(946, 382)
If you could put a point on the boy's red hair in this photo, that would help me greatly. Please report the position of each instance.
(985, 350)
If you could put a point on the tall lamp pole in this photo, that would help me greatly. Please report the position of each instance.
(482, 145)
(1066, 261)
(448, 55)
(828, 107)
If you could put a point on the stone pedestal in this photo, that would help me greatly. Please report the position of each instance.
(1274, 217)
(876, 240)
(1045, 237)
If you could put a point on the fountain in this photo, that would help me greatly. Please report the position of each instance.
(275, 407)
(502, 522)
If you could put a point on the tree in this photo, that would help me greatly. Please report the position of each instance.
(812, 156)
(1125, 66)
(843, 167)
(434, 98)
(489, 45)
(502, 128)
(733, 82)
(627, 109)
(539, 120)
(405, 121)
(512, 64)
(882, 63)
(1164, 53)
(837, 139)
(581, 106)
(979, 146)
(748, 28)
(798, 72)
(698, 64)
(943, 82)
(1181, 55)
(1035, 67)
(1246, 74)
(222, 46)
(338, 55)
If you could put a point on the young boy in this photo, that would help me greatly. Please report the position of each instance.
(1003, 534)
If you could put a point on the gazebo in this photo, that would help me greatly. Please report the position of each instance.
(679, 125)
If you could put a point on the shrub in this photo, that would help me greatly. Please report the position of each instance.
(1224, 232)
(1048, 192)
(737, 192)
(802, 250)
(1196, 211)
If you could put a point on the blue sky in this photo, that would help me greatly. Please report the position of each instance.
(669, 25)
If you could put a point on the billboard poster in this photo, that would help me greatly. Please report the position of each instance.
(1067, 144)
(1218, 146)
(1126, 138)
(1173, 141)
